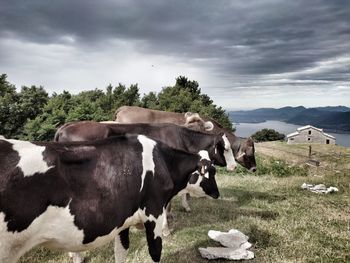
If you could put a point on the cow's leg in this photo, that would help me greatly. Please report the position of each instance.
(184, 202)
(168, 210)
(154, 238)
(121, 246)
(76, 257)
(165, 226)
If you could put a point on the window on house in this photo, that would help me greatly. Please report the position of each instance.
(308, 139)
(327, 141)
(309, 132)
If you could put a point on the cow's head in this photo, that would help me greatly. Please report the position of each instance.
(202, 182)
(194, 122)
(221, 152)
(245, 155)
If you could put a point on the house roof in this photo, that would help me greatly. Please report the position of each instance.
(309, 127)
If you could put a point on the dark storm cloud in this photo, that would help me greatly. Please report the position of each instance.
(230, 38)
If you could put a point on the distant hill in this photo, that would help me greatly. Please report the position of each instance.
(330, 118)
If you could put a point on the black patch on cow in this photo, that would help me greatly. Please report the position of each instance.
(26, 199)
(154, 244)
(124, 238)
(209, 185)
(194, 178)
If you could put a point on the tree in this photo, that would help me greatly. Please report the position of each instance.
(54, 114)
(150, 100)
(31, 114)
(17, 108)
(186, 96)
(265, 135)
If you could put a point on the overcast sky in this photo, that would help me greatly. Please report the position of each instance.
(244, 54)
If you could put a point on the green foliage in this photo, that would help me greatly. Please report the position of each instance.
(186, 96)
(265, 135)
(271, 167)
(17, 108)
(94, 105)
(32, 115)
(280, 168)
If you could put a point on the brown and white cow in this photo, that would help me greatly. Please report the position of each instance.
(243, 148)
(78, 196)
(134, 114)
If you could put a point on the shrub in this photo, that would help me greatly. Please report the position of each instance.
(267, 135)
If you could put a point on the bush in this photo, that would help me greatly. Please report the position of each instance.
(266, 135)
(270, 166)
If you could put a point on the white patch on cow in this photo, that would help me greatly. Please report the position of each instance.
(119, 251)
(195, 189)
(158, 221)
(204, 155)
(54, 229)
(31, 157)
(147, 156)
(228, 154)
(2, 137)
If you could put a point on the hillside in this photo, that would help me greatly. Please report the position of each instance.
(330, 118)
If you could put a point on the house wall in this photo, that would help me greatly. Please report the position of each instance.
(315, 137)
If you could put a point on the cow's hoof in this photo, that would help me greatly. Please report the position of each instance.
(166, 232)
(187, 209)
(76, 257)
(170, 216)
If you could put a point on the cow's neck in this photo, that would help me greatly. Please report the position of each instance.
(184, 165)
(195, 141)
(235, 143)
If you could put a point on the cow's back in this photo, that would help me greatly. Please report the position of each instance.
(81, 131)
(133, 114)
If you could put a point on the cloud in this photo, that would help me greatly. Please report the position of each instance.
(233, 48)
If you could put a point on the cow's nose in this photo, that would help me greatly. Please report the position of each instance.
(231, 168)
(253, 169)
(215, 195)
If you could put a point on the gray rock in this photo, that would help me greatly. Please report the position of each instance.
(235, 242)
(226, 253)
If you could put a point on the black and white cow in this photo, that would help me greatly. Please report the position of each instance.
(78, 196)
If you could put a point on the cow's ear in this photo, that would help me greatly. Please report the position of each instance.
(250, 141)
(188, 114)
(208, 126)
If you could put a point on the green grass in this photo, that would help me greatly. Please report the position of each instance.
(284, 222)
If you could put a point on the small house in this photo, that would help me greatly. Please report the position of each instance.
(310, 134)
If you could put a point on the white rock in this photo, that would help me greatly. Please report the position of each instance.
(233, 239)
(226, 253)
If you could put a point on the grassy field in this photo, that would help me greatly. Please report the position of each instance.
(284, 222)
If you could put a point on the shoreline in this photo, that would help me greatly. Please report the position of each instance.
(337, 131)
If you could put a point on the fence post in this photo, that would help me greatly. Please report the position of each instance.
(310, 151)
